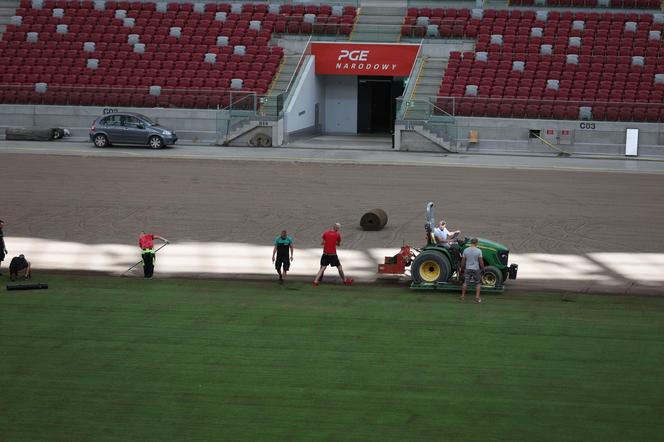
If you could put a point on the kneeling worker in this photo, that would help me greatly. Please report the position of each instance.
(19, 268)
(146, 243)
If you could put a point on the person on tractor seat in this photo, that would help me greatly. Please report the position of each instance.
(444, 237)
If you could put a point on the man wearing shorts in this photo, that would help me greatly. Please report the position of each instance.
(283, 248)
(471, 266)
(331, 239)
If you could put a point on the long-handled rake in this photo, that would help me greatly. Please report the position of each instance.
(155, 252)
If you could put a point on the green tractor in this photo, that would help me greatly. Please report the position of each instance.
(436, 266)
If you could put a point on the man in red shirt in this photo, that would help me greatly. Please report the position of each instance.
(146, 243)
(331, 239)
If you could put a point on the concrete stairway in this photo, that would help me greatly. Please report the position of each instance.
(281, 82)
(378, 24)
(427, 85)
(7, 10)
(239, 123)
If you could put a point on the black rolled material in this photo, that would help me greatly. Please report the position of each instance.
(374, 219)
(38, 286)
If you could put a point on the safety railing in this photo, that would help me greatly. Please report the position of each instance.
(581, 110)
(247, 110)
(427, 114)
(442, 116)
(411, 83)
(112, 96)
(300, 61)
(603, 4)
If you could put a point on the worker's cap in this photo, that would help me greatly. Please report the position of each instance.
(337, 225)
(473, 241)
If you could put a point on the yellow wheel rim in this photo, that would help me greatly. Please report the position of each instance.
(489, 279)
(430, 271)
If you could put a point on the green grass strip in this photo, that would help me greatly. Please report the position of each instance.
(103, 358)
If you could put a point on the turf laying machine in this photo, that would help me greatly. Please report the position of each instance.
(436, 267)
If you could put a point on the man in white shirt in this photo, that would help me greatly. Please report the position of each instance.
(443, 236)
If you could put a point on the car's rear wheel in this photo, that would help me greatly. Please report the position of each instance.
(430, 268)
(100, 140)
(155, 142)
(492, 277)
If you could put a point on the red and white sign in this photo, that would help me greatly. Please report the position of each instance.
(390, 60)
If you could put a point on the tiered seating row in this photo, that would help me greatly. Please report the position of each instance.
(631, 4)
(459, 23)
(135, 97)
(557, 110)
(535, 66)
(172, 69)
(182, 48)
(154, 27)
(285, 18)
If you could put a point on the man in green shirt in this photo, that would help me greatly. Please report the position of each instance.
(283, 250)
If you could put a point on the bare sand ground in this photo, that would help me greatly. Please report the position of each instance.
(101, 200)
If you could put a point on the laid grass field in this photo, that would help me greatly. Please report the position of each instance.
(102, 358)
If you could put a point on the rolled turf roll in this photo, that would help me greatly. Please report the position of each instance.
(374, 219)
(38, 286)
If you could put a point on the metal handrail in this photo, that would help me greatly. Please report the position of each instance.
(434, 106)
(410, 75)
(419, 72)
(560, 102)
(436, 110)
(244, 97)
(307, 50)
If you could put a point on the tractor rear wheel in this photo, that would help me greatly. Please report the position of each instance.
(492, 277)
(430, 268)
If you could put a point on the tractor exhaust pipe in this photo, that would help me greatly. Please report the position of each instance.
(431, 219)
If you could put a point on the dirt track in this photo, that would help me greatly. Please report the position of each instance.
(101, 200)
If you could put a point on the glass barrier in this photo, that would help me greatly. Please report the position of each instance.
(444, 128)
(443, 110)
(110, 96)
(435, 120)
(582, 110)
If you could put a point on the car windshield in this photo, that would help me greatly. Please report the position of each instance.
(148, 121)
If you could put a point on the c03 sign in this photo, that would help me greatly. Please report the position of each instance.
(587, 125)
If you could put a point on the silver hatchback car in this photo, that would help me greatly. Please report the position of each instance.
(130, 128)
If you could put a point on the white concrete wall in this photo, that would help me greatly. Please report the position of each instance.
(191, 125)
(511, 135)
(340, 104)
(309, 91)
